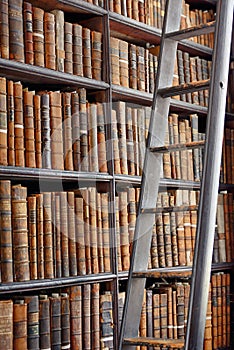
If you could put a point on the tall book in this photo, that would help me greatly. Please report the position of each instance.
(4, 25)
(77, 50)
(99, 233)
(106, 320)
(32, 321)
(71, 233)
(10, 122)
(59, 39)
(123, 63)
(76, 317)
(65, 321)
(96, 55)
(67, 131)
(6, 232)
(75, 130)
(29, 137)
(93, 230)
(16, 41)
(6, 324)
(106, 231)
(49, 31)
(38, 136)
(64, 234)
(121, 122)
(114, 54)
(84, 160)
(57, 238)
(80, 241)
(20, 325)
(20, 233)
(95, 316)
(87, 61)
(115, 143)
(32, 235)
(48, 236)
(19, 125)
(86, 309)
(38, 36)
(92, 137)
(124, 237)
(3, 122)
(101, 138)
(40, 236)
(55, 321)
(68, 60)
(45, 131)
(28, 33)
(44, 322)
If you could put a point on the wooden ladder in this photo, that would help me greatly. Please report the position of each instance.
(164, 90)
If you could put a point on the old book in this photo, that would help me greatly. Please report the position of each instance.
(188, 138)
(75, 130)
(106, 320)
(76, 317)
(124, 236)
(167, 230)
(6, 232)
(123, 63)
(45, 131)
(93, 230)
(80, 243)
(86, 310)
(160, 234)
(38, 36)
(228, 330)
(149, 313)
(219, 309)
(135, 141)
(28, 32)
(44, 322)
(67, 131)
(48, 238)
(29, 137)
(58, 250)
(214, 312)
(59, 39)
(6, 324)
(193, 75)
(181, 74)
(20, 233)
(71, 233)
(105, 231)
(221, 229)
(64, 234)
(84, 160)
(37, 131)
(68, 38)
(117, 233)
(174, 245)
(92, 137)
(180, 238)
(174, 315)
(224, 309)
(65, 322)
(32, 235)
(55, 321)
(176, 141)
(87, 60)
(40, 236)
(180, 310)
(4, 29)
(101, 138)
(130, 142)
(32, 321)
(227, 226)
(57, 157)
(152, 72)
(10, 123)
(135, 10)
(194, 128)
(50, 47)
(163, 309)
(77, 50)
(95, 316)
(3, 122)
(20, 325)
(143, 320)
(205, 75)
(121, 122)
(99, 233)
(140, 52)
(16, 41)
(132, 66)
(167, 158)
(154, 249)
(131, 216)
(96, 55)
(187, 74)
(114, 55)
(156, 315)
(183, 154)
(115, 143)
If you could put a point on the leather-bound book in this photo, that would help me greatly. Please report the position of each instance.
(32, 321)
(106, 231)
(19, 125)
(167, 230)
(96, 58)
(123, 63)
(106, 320)
(114, 52)
(132, 66)
(101, 138)
(72, 233)
(68, 48)
(16, 37)
(84, 161)
(49, 30)
(28, 33)
(44, 322)
(67, 131)
(93, 230)
(45, 131)
(75, 130)
(6, 232)
(140, 52)
(130, 142)
(20, 325)
(38, 136)
(6, 324)
(64, 234)
(38, 36)
(40, 237)
(86, 310)
(10, 123)
(95, 316)
(80, 242)
(59, 44)
(87, 63)
(29, 137)
(99, 233)
(77, 50)
(20, 233)
(124, 237)
(115, 143)
(92, 137)
(48, 236)
(4, 29)
(76, 317)
(58, 250)
(55, 321)
(3, 122)
(32, 235)
(121, 113)
(65, 322)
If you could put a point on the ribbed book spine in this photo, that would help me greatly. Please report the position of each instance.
(10, 123)
(49, 28)
(38, 37)
(16, 43)
(20, 325)
(29, 127)
(3, 122)
(4, 32)
(28, 33)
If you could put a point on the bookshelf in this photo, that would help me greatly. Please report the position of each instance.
(79, 222)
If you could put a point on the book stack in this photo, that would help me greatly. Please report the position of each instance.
(45, 39)
(53, 234)
(151, 12)
(65, 320)
(51, 129)
(174, 232)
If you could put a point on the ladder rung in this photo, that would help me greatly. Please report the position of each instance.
(185, 272)
(147, 341)
(169, 209)
(184, 88)
(190, 32)
(178, 147)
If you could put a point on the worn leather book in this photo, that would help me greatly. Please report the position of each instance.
(28, 32)
(48, 236)
(4, 29)
(16, 37)
(38, 36)
(59, 43)
(3, 122)
(44, 322)
(86, 42)
(32, 235)
(96, 55)
(32, 302)
(50, 38)
(29, 127)
(10, 123)
(68, 48)
(20, 325)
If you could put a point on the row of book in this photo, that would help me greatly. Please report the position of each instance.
(53, 234)
(135, 67)
(33, 36)
(174, 231)
(51, 129)
(151, 12)
(165, 311)
(79, 318)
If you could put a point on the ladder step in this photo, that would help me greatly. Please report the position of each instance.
(184, 272)
(147, 341)
(184, 88)
(169, 209)
(178, 147)
(190, 32)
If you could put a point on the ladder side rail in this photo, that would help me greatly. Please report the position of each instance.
(210, 180)
(150, 177)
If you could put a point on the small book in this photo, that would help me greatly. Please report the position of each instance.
(123, 63)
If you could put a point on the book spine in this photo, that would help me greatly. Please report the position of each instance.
(38, 131)
(130, 142)
(115, 143)
(55, 321)
(49, 30)
(28, 32)
(40, 237)
(121, 112)
(16, 43)
(99, 233)
(75, 130)
(64, 234)
(123, 63)
(86, 309)
(84, 160)
(92, 137)
(65, 322)
(95, 315)
(20, 325)
(32, 321)
(67, 131)
(44, 322)
(72, 233)
(45, 131)
(6, 324)
(29, 139)
(167, 231)
(20, 233)
(32, 235)
(68, 37)
(76, 317)
(59, 39)
(3, 122)
(38, 36)
(48, 239)
(80, 243)
(106, 320)
(96, 56)
(77, 50)
(93, 230)
(105, 232)
(6, 232)
(58, 251)
(101, 139)
(4, 29)
(124, 237)
(87, 61)
(114, 54)
(10, 123)
(132, 66)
